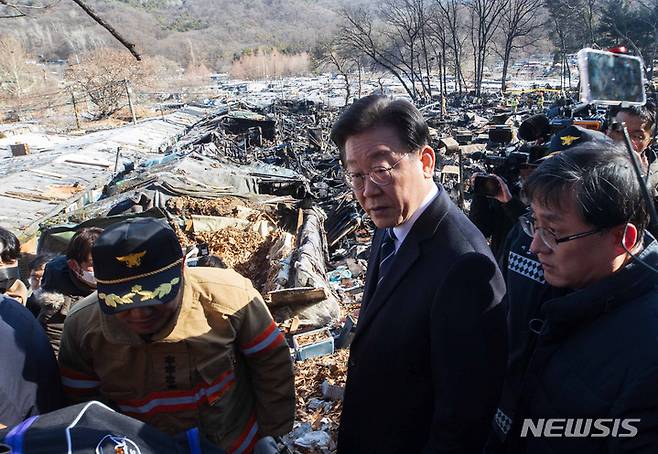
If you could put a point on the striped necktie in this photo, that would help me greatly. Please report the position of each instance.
(387, 253)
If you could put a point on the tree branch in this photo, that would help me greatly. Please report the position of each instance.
(20, 8)
(91, 13)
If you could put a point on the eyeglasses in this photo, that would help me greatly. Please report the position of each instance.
(379, 175)
(548, 237)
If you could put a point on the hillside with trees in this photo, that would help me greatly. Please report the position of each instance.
(414, 41)
(185, 31)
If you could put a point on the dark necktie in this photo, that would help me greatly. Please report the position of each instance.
(386, 253)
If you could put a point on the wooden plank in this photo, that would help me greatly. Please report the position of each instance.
(297, 295)
(300, 219)
(47, 174)
(87, 163)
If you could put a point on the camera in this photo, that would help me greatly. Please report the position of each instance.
(486, 185)
(506, 163)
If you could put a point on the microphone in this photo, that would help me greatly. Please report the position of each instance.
(535, 127)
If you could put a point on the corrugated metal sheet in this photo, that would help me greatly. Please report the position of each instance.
(36, 187)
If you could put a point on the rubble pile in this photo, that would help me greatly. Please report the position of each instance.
(243, 250)
(225, 206)
(329, 224)
(256, 180)
(243, 247)
(319, 383)
(263, 189)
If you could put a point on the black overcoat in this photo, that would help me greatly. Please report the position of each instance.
(428, 357)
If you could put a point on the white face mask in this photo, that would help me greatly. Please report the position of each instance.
(88, 278)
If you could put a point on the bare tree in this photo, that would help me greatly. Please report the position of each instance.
(17, 76)
(424, 15)
(437, 38)
(520, 20)
(406, 29)
(20, 81)
(103, 74)
(566, 32)
(485, 17)
(333, 55)
(587, 10)
(361, 33)
(449, 13)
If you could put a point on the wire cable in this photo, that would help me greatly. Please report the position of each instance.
(635, 257)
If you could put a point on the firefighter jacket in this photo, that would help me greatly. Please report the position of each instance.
(221, 364)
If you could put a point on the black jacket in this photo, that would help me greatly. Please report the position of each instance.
(495, 219)
(60, 291)
(54, 308)
(29, 377)
(57, 276)
(594, 354)
(427, 360)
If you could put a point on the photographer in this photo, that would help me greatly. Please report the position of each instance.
(495, 214)
(496, 208)
(640, 122)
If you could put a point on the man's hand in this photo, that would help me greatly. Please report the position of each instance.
(504, 195)
(266, 445)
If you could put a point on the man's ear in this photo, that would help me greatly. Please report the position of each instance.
(626, 235)
(428, 159)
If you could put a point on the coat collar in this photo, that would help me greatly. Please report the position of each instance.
(374, 297)
(622, 287)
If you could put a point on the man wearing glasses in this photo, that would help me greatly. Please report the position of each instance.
(526, 286)
(590, 350)
(427, 359)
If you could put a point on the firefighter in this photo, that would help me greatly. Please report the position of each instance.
(176, 347)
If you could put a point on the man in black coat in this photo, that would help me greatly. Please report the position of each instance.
(66, 280)
(29, 377)
(428, 357)
(583, 376)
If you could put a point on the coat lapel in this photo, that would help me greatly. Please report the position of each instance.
(375, 297)
(372, 270)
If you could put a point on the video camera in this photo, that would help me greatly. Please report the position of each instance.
(504, 163)
(606, 79)
(540, 128)
(535, 133)
(500, 159)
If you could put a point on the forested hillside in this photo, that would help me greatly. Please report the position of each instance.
(211, 31)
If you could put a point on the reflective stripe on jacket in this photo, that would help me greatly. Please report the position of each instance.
(221, 365)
